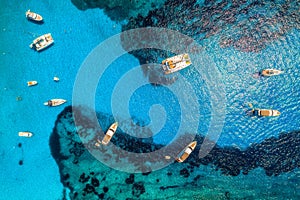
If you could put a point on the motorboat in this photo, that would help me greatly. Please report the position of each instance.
(25, 134)
(54, 102)
(264, 112)
(184, 154)
(32, 83)
(42, 42)
(109, 133)
(176, 63)
(33, 16)
(55, 78)
(270, 72)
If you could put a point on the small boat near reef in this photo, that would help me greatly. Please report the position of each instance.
(97, 144)
(167, 157)
(109, 133)
(32, 83)
(33, 16)
(42, 42)
(54, 102)
(25, 134)
(184, 154)
(270, 72)
(262, 112)
(176, 63)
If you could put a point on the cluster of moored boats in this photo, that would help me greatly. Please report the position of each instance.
(182, 156)
(39, 44)
(43, 41)
(169, 65)
(174, 64)
(265, 112)
(179, 62)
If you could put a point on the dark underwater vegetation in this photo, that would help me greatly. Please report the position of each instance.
(87, 178)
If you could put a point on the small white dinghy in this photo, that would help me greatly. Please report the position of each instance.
(25, 134)
(32, 83)
(55, 102)
(55, 78)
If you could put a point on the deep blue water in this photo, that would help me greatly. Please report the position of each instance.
(76, 34)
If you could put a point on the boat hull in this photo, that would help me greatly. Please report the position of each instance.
(32, 83)
(55, 102)
(25, 134)
(32, 16)
(176, 63)
(270, 72)
(265, 113)
(109, 133)
(42, 42)
(185, 153)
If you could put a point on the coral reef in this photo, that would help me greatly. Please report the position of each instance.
(119, 9)
(87, 178)
(245, 25)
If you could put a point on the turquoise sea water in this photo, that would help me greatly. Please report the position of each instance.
(76, 34)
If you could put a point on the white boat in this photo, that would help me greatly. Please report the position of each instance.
(42, 42)
(109, 133)
(56, 79)
(264, 112)
(98, 143)
(176, 63)
(184, 154)
(25, 134)
(270, 72)
(32, 83)
(33, 16)
(54, 102)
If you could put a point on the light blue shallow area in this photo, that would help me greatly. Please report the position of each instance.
(76, 33)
